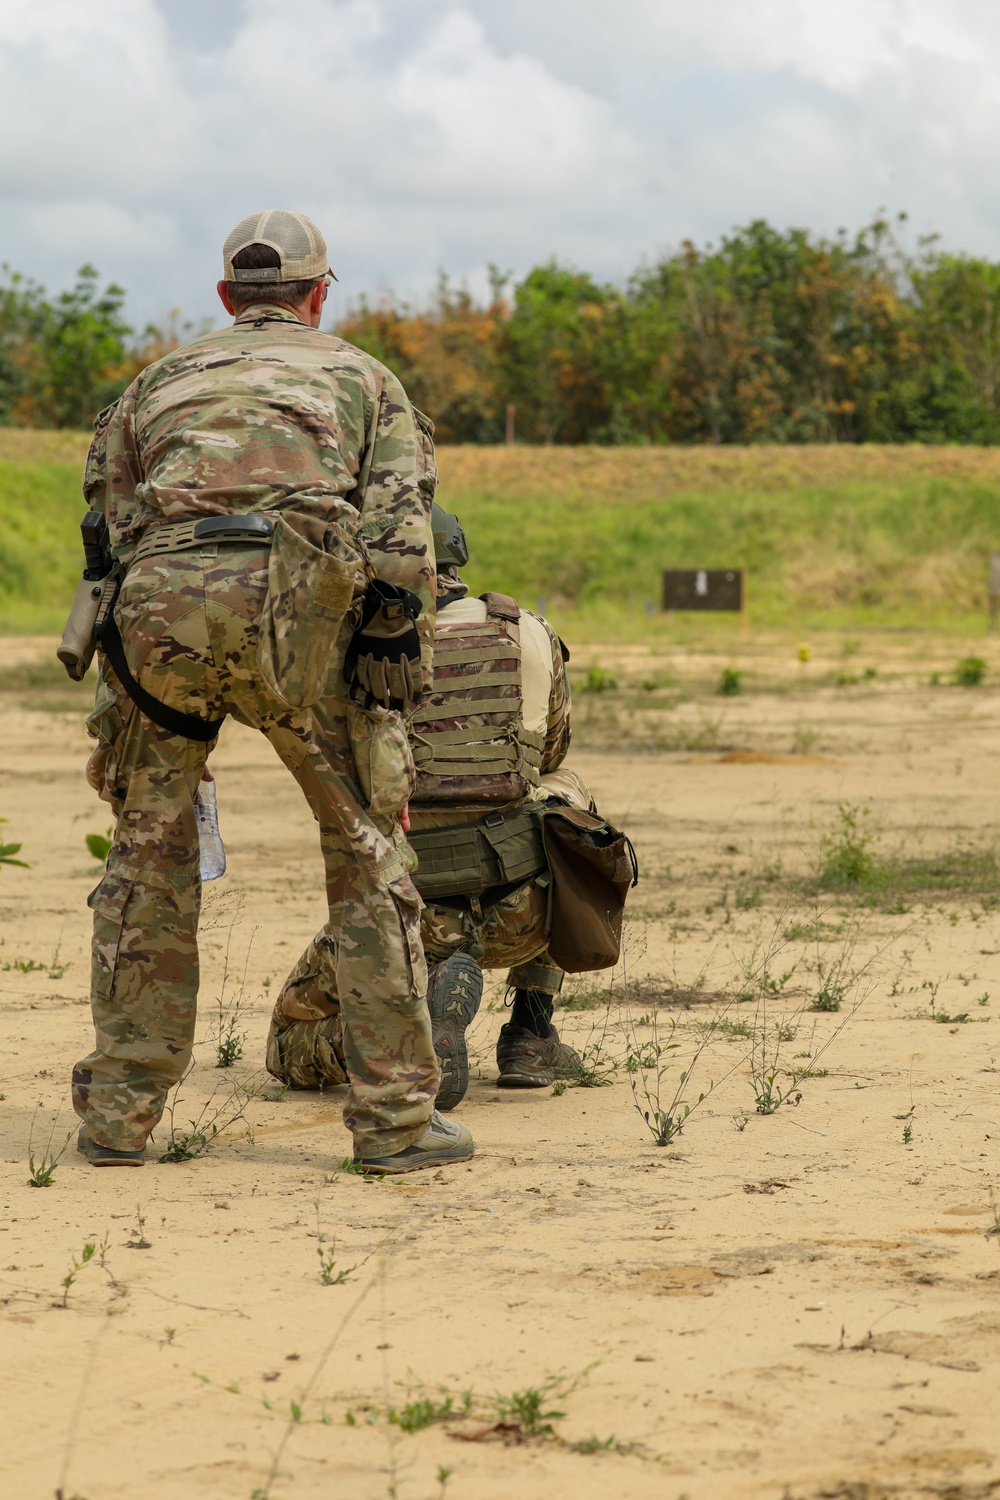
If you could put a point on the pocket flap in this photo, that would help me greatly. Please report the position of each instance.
(314, 572)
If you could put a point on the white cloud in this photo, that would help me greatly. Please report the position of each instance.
(495, 128)
(426, 133)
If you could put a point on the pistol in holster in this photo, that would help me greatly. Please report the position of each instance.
(95, 597)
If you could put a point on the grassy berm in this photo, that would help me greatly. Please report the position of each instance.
(831, 536)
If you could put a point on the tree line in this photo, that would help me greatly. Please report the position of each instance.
(769, 336)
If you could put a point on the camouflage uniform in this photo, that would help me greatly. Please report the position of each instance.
(269, 415)
(305, 1046)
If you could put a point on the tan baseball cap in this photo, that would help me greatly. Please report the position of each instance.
(300, 246)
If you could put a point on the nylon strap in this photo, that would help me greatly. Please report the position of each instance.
(467, 710)
(459, 657)
(468, 684)
(187, 725)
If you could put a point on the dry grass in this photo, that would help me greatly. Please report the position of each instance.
(600, 475)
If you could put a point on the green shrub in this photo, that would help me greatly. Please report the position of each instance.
(970, 671)
(847, 853)
(598, 680)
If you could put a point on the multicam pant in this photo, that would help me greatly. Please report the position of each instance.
(305, 1046)
(189, 622)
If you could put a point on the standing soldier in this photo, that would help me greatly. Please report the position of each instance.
(267, 494)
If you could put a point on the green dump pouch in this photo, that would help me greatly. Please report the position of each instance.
(314, 572)
(504, 849)
(593, 867)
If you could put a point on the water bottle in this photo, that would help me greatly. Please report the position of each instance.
(211, 847)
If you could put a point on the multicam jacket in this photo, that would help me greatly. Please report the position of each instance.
(268, 415)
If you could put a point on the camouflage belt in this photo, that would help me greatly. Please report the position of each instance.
(180, 536)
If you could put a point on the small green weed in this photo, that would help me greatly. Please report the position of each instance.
(185, 1145)
(831, 992)
(42, 1171)
(99, 845)
(729, 1031)
(730, 682)
(7, 852)
(138, 1240)
(582, 993)
(846, 853)
(603, 1445)
(970, 671)
(598, 680)
(659, 1098)
(417, 1415)
(76, 1266)
(328, 1273)
(529, 1411)
(230, 1031)
(597, 1066)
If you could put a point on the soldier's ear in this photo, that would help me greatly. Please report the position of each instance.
(223, 291)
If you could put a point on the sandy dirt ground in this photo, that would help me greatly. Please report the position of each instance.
(789, 1306)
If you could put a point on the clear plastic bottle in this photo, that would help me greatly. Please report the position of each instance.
(213, 851)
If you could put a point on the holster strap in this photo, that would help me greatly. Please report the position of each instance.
(171, 719)
(181, 536)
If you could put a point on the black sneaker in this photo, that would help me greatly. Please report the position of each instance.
(527, 1061)
(453, 995)
(105, 1156)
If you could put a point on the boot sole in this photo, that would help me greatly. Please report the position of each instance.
(453, 1007)
(525, 1080)
(389, 1166)
(107, 1161)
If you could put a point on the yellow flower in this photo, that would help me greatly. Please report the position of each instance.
(804, 654)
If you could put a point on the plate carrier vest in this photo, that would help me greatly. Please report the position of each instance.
(468, 736)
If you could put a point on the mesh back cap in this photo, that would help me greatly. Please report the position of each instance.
(300, 247)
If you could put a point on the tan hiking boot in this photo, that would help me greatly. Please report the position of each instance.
(527, 1061)
(443, 1142)
(453, 995)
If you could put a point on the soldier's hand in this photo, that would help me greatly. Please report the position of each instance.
(383, 660)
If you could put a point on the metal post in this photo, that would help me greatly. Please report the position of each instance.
(994, 588)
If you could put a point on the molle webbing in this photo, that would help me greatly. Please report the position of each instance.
(469, 740)
(503, 849)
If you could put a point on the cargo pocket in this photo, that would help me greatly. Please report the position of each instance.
(107, 725)
(108, 902)
(383, 760)
(314, 574)
(409, 906)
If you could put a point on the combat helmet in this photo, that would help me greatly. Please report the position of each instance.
(451, 550)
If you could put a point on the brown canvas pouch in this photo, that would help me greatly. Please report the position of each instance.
(593, 867)
(314, 574)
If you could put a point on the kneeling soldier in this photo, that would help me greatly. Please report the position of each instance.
(488, 744)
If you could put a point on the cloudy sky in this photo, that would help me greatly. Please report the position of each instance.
(450, 133)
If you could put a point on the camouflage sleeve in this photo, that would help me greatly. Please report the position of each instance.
(112, 472)
(395, 489)
(558, 729)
